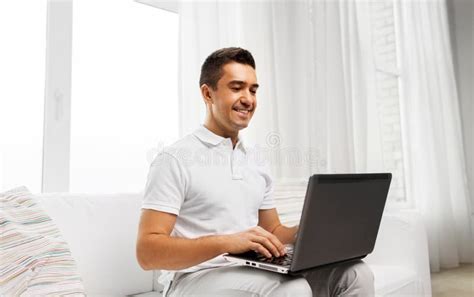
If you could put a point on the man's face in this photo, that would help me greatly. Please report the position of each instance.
(234, 101)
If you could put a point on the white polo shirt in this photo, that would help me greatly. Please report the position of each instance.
(213, 188)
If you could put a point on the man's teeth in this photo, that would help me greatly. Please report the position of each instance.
(242, 110)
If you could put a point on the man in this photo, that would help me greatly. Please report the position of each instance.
(206, 196)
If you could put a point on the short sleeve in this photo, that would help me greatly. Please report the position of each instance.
(268, 201)
(166, 184)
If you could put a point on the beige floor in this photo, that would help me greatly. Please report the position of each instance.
(456, 282)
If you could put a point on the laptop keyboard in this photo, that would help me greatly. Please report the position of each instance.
(283, 261)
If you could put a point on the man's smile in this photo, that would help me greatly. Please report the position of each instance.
(242, 112)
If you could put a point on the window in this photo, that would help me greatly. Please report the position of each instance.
(123, 99)
(22, 76)
(124, 94)
(384, 40)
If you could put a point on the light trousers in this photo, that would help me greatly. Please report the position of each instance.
(344, 279)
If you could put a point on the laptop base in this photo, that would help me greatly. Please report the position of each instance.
(245, 261)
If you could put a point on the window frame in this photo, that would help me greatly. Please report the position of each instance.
(397, 72)
(57, 101)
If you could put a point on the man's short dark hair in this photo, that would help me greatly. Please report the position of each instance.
(211, 70)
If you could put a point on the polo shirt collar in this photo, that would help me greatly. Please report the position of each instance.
(211, 138)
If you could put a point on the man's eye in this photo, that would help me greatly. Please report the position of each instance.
(236, 89)
(253, 91)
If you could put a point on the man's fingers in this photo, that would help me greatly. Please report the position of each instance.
(256, 247)
(275, 241)
(278, 245)
(268, 244)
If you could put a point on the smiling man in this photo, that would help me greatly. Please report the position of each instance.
(230, 100)
(206, 197)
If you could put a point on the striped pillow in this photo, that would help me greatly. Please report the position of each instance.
(34, 258)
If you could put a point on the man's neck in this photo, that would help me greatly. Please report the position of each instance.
(214, 128)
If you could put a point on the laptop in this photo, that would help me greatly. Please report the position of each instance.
(340, 221)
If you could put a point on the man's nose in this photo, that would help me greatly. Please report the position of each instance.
(247, 99)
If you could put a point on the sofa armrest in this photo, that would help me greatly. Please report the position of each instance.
(101, 231)
(402, 241)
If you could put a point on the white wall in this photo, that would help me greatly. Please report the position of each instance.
(461, 14)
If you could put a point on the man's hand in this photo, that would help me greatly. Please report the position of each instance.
(268, 219)
(157, 249)
(255, 239)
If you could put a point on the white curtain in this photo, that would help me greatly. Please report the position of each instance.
(432, 133)
(316, 110)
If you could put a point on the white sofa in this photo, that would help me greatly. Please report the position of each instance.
(101, 232)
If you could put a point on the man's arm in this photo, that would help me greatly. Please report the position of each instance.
(268, 219)
(156, 249)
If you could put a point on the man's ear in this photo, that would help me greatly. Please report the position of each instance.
(206, 94)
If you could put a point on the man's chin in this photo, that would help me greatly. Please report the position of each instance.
(240, 126)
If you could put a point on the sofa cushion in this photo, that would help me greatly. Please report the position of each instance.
(396, 281)
(101, 230)
(35, 259)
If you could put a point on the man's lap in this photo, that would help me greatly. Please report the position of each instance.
(351, 278)
(238, 281)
